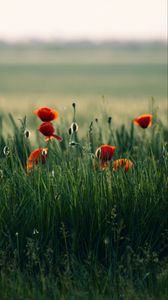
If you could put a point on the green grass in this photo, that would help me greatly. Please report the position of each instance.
(84, 233)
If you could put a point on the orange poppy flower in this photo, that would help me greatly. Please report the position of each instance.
(35, 157)
(122, 163)
(46, 114)
(48, 131)
(105, 154)
(143, 121)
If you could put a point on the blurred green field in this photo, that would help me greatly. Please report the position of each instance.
(117, 77)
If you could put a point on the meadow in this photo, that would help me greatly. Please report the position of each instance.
(69, 229)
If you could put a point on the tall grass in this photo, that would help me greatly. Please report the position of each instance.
(78, 231)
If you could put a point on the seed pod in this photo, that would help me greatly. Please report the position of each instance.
(109, 120)
(74, 127)
(6, 150)
(27, 134)
(44, 152)
(73, 104)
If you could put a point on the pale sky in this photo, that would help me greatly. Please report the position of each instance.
(83, 19)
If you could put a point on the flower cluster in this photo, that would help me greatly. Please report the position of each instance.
(104, 153)
(47, 115)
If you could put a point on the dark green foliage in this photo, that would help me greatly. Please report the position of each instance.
(68, 220)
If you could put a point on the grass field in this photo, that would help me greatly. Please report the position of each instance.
(68, 229)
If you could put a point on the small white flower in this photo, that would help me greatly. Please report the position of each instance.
(16, 233)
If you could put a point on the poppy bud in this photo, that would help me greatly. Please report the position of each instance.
(70, 131)
(73, 104)
(44, 152)
(74, 127)
(72, 143)
(96, 120)
(27, 134)
(6, 150)
(98, 153)
(109, 120)
(35, 231)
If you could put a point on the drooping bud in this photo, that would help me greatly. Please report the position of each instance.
(6, 150)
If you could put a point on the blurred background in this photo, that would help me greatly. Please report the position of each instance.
(102, 54)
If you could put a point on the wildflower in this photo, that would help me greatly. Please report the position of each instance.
(46, 114)
(48, 131)
(105, 154)
(74, 127)
(27, 134)
(143, 121)
(16, 233)
(122, 163)
(35, 157)
(6, 150)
